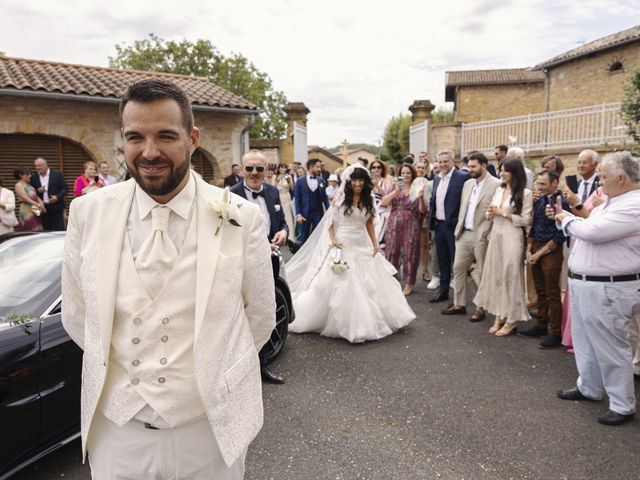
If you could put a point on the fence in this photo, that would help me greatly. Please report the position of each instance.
(576, 127)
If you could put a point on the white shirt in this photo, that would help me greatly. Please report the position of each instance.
(44, 183)
(585, 185)
(108, 180)
(139, 225)
(608, 241)
(312, 183)
(441, 193)
(473, 202)
(262, 203)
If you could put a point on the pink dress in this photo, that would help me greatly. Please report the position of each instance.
(567, 340)
(402, 238)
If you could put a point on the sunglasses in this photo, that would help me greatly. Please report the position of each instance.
(249, 168)
(377, 167)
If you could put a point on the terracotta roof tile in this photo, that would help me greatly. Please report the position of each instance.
(488, 77)
(626, 36)
(53, 77)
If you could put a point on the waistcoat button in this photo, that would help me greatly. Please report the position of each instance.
(161, 380)
(136, 321)
(165, 320)
(135, 363)
(163, 361)
(135, 381)
(164, 338)
(135, 340)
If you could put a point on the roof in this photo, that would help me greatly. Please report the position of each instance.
(259, 143)
(610, 41)
(489, 77)
(100, 83)
(315, 148)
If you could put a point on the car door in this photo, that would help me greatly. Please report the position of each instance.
(60, 378)
(19, 397)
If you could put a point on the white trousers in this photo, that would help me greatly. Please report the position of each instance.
(133, 452)
(601, 313)
(634, 339)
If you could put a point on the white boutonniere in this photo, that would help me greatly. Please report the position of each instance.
(225, 210)
(277, 208)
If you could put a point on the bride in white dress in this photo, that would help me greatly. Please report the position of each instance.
(341, 285)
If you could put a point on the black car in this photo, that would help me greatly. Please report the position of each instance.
(40, 366)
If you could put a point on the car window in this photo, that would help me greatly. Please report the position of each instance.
(30, 269)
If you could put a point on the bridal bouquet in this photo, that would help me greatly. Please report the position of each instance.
(337, 264)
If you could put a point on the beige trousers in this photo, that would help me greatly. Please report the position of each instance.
(134, 452)
(634, 340)
(468, 252)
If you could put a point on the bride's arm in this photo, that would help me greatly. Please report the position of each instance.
(332, 235)
(372, 235)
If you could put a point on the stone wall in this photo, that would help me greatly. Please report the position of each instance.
(478, 103)
(588, 81)
(444, 136)
(96, 127)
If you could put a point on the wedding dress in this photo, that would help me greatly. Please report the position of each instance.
(362, 301)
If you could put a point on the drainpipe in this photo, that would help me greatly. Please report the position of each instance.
(252, 122)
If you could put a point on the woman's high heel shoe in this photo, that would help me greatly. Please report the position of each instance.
(507, 329)
(497, 325)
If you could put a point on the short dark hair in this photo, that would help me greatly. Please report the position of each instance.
(503, 148)
(311, 162)
(553, 176)
(18, 172)
(559, 165)
(150, 90)
(479, 156)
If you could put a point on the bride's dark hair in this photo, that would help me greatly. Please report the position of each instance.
(366, 198)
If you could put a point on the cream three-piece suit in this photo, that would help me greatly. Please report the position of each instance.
(192, 351)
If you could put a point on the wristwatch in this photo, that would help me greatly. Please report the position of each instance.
(579, 206)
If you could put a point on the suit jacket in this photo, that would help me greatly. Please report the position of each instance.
(451, 200)
(234, 305)
(231, 180)
(306, 199)
(57, 186)
(272, 198)
(481, 226)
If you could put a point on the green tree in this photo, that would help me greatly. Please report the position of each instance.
(201, 58)
(442, 115)
(631, 106)
(396, 138)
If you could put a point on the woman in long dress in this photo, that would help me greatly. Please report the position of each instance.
(501, 291)
(8, 218)
(382, 185)
(31, 206)
(341, 285)
(285, 186)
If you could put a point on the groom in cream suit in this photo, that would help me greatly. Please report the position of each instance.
(168, 289)
(471, 233)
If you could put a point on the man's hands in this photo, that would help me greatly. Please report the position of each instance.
(279, 239)
(300, 219)
(53, 199)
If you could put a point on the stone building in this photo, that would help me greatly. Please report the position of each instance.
(354, 154)
(69, 114)
(331, 161)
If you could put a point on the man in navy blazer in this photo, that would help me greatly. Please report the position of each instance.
(51, 188)
(266, 196)
(443, 210)
(311, 199)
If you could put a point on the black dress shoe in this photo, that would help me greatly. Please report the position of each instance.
(453, 310)
(614, 418)
(534, 331)
(441, 296)
(270, 377)
(552, 341)
(573, 394)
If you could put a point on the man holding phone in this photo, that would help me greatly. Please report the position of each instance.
(544, 254)
(51, 188)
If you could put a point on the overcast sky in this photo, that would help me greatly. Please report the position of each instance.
(353, 63)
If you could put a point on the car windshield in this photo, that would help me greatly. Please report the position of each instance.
(30, 269)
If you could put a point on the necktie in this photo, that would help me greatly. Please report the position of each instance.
(585, 190)
(157, 254)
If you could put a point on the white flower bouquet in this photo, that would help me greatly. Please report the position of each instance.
(337, 265)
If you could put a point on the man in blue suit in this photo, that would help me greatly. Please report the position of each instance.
(444, 208)
(311, 199)
(253, 188)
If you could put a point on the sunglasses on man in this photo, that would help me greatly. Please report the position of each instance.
(249, 168)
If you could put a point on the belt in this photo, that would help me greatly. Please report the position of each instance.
(605, 278)
(440, 221)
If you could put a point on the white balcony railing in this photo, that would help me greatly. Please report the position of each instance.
(576, 127)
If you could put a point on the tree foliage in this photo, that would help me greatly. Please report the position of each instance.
(631, 106)
(201, 58)
(442, 115)
(396, 137)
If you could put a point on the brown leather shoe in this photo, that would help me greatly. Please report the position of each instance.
(478, 315)
(454, 310)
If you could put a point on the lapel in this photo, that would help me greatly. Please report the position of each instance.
(242, 192)
(208, 247)
(112, 226)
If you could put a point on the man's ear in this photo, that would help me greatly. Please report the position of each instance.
(194, 139)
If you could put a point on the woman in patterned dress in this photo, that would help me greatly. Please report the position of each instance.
(31, 205)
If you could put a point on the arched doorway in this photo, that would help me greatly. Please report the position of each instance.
(203, 163)
(62, 154)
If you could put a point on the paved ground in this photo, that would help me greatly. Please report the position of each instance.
(441, 399)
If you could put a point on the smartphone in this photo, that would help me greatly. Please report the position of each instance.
(401, 182)
(96, 179)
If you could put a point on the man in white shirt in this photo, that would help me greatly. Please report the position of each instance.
(604, 283)
(170, 295)
(104, 174)
(471, 233)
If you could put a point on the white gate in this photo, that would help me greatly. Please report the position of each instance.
(300, 153)
(418, 140)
